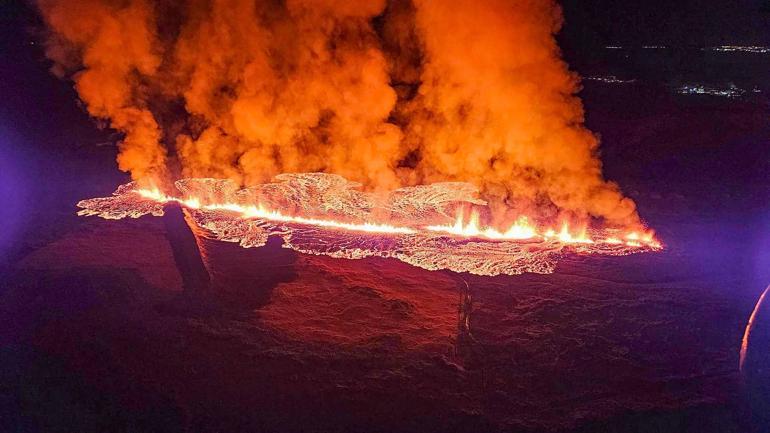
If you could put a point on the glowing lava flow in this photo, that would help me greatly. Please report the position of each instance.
(520, 230)
(261, 213)
(749, 328)
(523, 230)
(328, 215)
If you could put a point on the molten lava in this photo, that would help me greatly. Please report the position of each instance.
(259, 212)
(326, 214)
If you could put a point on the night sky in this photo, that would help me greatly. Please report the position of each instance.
(591, 24)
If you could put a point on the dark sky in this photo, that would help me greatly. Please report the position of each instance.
(590, 24)
(671, 22)
(666, 22)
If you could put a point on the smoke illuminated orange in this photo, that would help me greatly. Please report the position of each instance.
(259, 88)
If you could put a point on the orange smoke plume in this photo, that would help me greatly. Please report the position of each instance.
(497, 104)
(384, 93)
(111, 48)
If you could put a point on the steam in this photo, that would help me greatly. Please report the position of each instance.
(384, 93)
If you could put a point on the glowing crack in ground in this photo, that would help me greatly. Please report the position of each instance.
(326, 214)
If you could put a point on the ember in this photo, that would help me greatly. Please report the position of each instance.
(324, 214)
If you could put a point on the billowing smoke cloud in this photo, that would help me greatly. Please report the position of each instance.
(111, 48)
(497, 104)
(384, 93)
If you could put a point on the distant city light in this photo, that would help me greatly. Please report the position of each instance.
(610, 79)
(745, 49)
(646, 47)
(732, 91)
(722, 48)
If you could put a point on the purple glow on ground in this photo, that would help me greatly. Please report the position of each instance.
(13, 188)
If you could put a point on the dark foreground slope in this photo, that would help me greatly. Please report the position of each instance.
(98, 332)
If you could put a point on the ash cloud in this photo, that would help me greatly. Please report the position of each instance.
(386, 93)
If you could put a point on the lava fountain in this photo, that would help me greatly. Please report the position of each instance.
(425, 226)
